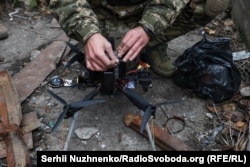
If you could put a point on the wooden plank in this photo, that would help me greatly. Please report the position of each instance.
(8, 95)
(8, 128)
(28, 140)
(10, 155)
(29, 122)
(11, 116)
(19, 150)
(30, 77)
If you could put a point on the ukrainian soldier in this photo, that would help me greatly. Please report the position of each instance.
(138, 26)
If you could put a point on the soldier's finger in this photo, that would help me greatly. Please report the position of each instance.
(89, 65)
(133, 52)
(131, 55)
(125, 45)
(97, 67)
(110, 54)
(96, 64)
(113, 63)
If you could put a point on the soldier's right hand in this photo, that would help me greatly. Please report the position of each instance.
(99, 53)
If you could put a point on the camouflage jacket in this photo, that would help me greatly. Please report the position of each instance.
(79, 20)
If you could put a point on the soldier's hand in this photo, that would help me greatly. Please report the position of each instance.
(132, 43)
(99, 53)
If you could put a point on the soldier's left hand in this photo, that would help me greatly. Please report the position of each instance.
(132, 43)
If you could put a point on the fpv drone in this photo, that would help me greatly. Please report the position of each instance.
(109, 82)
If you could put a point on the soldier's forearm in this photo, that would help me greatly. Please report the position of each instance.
(75, 17)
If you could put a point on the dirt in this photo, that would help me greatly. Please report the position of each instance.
(36, 32)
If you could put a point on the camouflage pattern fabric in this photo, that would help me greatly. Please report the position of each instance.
(215, 7)
(167, 19)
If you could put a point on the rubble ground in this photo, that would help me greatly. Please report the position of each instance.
(105, 121)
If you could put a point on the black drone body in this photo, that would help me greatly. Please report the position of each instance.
(107, 83)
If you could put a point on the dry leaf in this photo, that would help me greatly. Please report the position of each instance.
(209, 31)
(233, 116)
(243, 128)
(228, 23)
(240, 124)
(211, 108)
(229, 107)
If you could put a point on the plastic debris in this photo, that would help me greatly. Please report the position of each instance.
(51, 124)
(45, 127)
(206, 138)
(240, 55)
(208, 70)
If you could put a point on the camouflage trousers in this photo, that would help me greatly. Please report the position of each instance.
(155, 53)
(117, 29)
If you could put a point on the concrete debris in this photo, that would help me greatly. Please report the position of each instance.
(34, 54)
(209, 115)
(85, 133)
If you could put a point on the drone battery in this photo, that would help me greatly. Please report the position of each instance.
(108, 83)
(121, 70)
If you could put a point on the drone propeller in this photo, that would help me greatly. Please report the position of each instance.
(57, 97)
(73, 107)
(144, 105)
(149, 112)
(90, 96)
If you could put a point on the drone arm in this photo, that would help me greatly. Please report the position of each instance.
(138, 100)
(89, 96)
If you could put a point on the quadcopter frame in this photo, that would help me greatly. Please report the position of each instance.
(109, 82)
